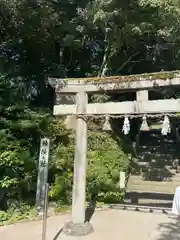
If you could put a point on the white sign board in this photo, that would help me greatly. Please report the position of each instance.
(42, 173)
(122, 179)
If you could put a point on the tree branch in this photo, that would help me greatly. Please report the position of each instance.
(126, 62)
(103, 67)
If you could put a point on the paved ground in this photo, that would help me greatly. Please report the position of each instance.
(110, 224)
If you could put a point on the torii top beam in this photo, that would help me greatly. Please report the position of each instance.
(116, 83)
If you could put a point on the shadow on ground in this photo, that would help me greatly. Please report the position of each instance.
(90, 211)
(57, 234)
(169, 231)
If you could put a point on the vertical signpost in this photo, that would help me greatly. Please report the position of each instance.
(42, 175)
(44, 226)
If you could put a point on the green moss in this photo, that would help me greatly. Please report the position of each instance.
(144, 76)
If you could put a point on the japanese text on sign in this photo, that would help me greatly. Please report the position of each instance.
(42, 173)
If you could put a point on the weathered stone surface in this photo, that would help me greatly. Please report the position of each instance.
(70, 122)
(114, 83)
(72, 229)
(61, 99)
(65, 99)
(123, 108)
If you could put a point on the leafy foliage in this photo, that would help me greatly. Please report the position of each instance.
(106, 160)
(103, 168)
(76, 38)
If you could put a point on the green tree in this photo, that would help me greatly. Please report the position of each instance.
(68, 38)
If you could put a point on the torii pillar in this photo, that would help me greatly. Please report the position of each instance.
(78, 226)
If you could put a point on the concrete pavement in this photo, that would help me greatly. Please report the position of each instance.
(109, 224)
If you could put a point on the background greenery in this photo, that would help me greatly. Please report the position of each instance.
(72, 38)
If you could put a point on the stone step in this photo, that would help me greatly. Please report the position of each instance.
(146, 163)
(150, 195)
(171, 147)
(158, 167)
(153, 188)
(155, 145)
(153, 183)
(157, 142)
(156, 156)
(152, 202)
(171, 172)
(173, 179)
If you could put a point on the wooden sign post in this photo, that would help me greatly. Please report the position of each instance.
(42, 175)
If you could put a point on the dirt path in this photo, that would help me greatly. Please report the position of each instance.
(111, 224)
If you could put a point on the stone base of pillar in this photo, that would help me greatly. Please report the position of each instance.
(72, 229)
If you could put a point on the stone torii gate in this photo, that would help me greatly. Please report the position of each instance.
(141, 84)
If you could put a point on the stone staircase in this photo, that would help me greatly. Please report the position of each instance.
(155, 174)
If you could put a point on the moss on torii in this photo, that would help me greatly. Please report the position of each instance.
(136, 77)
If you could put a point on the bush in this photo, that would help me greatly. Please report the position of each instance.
(105, 161)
